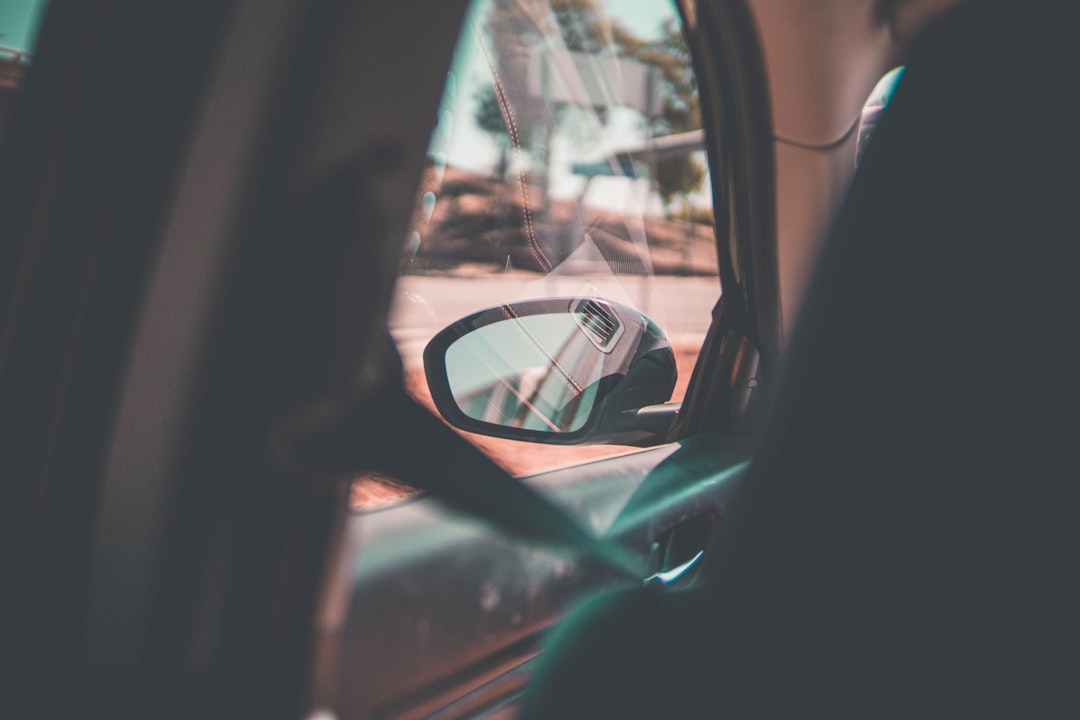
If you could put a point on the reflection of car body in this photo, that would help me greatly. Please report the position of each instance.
(203, 220)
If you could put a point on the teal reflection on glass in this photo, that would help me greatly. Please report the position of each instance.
(537, 372)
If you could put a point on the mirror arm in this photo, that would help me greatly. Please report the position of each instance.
(643, 427)
(657, 420)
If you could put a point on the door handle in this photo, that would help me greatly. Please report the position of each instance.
(666, 577)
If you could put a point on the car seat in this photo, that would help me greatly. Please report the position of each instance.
(907, 545)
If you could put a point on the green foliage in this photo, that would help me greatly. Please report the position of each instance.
(489, 118)
(489, 114)
(680, 112)
(681, 109)
(585, 29)
(678, 176)
(580, 25)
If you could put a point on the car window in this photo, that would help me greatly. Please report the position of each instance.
(567, 160)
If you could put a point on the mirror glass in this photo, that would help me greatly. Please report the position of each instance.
(536, 372)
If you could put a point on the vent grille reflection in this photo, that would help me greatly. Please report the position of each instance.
(599, 322)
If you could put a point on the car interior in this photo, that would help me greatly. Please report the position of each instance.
(856, 503)
(890, 561)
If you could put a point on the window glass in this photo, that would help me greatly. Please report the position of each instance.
(567, 160)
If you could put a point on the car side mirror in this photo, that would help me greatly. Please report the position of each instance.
(563, 371)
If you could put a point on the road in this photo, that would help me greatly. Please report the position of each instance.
(425, 304)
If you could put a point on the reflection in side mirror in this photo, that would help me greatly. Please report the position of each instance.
(560, 370)
(536, 372)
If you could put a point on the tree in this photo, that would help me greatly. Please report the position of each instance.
(489, 118)
(582, 27)
(523, 121)
(680, 111)
(585, 29)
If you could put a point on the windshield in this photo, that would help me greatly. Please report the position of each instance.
(567, 160)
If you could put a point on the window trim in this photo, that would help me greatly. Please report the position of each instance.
(742, 348)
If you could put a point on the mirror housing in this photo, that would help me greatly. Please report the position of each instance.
(564, 371)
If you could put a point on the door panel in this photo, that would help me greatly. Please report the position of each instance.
(445, 616)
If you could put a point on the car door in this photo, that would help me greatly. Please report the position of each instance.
(206, 218)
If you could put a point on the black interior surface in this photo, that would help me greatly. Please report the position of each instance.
(446, 615)
(908, 546)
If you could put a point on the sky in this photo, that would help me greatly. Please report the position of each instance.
(19, 18)
(643, 17)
